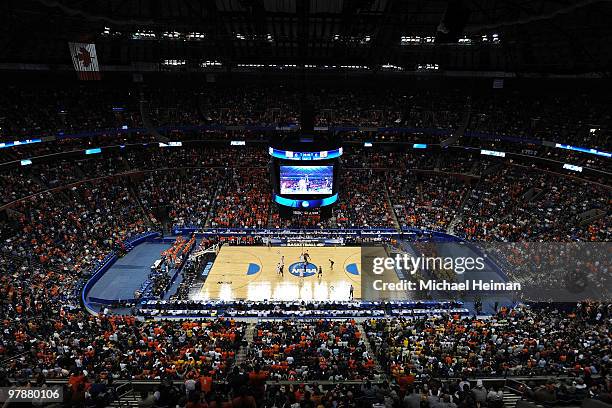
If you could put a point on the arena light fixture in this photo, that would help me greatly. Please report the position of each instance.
(174, 62)
(354, 67)
(109, 32)
(428, 67)
(144, 35)
(172, 35)
(410, 40)
(195, 36)
(210, 64)
(391, 67)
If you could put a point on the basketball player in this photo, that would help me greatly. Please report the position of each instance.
(351, 290)
(302, 184)
(331, 264)
(320, 272)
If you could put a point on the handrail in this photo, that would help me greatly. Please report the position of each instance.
(519, 379)
(127, 384)
(513, 381)
(6, 361)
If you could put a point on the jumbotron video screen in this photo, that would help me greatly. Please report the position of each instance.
(306, 179)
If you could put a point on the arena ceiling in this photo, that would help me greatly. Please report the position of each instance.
(532, 35)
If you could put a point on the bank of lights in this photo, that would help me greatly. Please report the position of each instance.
(144, 35)
(195, 36)
(416, 40)
(172, 35)
(178, 36)
(109, 32)
(354, 67)
(174, 62)
(165, 35)
(355, 40)
(391, 67)
(428, 67)
(211, 64)
(243, 37)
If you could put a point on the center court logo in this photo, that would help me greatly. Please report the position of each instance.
(298, 267)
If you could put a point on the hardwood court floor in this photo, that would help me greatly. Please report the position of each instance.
(246, 272)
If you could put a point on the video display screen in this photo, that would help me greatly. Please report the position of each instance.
(306, 179)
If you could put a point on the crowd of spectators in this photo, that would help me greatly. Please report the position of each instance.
(52, 240)
(514, 203)
(34, 111)
(364, 202)
(240, 202)
(16, 184)
(517, 341)
(28, 111)
(244, 390)
(310, 350)
(425, 200)
(72, 344)
(221, 187)
(56, 241)
(186, 196)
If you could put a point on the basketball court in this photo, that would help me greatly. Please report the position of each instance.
(250, 273)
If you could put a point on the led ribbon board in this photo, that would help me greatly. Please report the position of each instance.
(492, 153)
(289, 155)
(4, 145)
(583, 150)
(304, 204)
